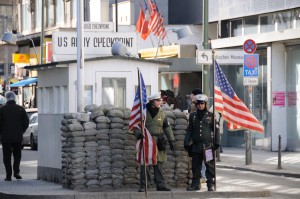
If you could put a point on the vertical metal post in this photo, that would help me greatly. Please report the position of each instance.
(116, 10)
(42, 32)
(248, 147)
(279, 152)
(205, 44)
(80, 57)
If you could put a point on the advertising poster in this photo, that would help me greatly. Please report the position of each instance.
(278, 98)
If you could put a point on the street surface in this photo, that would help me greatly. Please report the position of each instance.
(280, 187)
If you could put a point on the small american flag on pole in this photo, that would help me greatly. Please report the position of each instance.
(230, 106)
(146, 148)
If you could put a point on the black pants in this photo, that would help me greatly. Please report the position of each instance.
(8, 149)
(197, 159)
(158, 176)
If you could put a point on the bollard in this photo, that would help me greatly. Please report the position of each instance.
(218, 155)
(248, 147)
(279, 152)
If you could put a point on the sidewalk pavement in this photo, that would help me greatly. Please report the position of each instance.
(263, 162)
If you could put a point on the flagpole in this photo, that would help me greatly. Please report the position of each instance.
(214, 122)
(143, 129)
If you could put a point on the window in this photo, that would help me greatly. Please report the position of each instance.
(284, 20)
(250, 25)
(267, 23)
(59, 11)
(236, 28)
(297, 16)
(88, 95)
(38, 15)
(25, 15)
(114, 91)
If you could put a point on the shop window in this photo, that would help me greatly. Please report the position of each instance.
(267, 23)
(250, 25)
(236, 28)
(114, 91)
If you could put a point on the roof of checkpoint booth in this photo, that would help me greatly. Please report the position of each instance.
(50, 65)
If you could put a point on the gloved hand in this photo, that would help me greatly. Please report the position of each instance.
(216, 147)
(172, 146)
(186, 147)
(139, 136)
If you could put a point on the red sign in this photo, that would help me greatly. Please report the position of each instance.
(278, 98)
(249, 46)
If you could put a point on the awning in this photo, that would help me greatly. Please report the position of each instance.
(24, 82)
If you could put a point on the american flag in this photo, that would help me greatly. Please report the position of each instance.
(233, 127)
(137, 120)
(231, 107)
(156, 20)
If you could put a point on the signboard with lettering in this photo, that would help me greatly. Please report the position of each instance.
(221, 56)
(98, 26)
(251, 62)
(21, 58)
(95, 43)
(278, 98)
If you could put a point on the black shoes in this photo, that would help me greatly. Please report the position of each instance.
(193, 188)
(17, 176)
(163, 189)
(7, 179)
(141, 189)
(210, 188)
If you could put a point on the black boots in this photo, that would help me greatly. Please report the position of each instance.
(193, 188)
(163, 189)
(17, 176)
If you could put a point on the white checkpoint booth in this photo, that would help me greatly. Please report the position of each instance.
(57, 94)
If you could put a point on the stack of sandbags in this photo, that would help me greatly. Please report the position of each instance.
(117, 124)
(181, 155)
(104, 155)
(73, 152)
(131, 175)
(91, 149)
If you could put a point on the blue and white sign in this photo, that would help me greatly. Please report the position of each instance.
(251, 62)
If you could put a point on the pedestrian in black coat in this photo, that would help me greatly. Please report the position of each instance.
(13, 123)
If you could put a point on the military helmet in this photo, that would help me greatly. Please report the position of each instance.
(201, 98)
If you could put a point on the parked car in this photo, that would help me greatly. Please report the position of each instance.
(30, 137)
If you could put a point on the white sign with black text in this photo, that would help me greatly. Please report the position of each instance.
(98, 26)
(221, 56)
(95, 43)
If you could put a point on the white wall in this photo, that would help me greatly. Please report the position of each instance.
(278, 70)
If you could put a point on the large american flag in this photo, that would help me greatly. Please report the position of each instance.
(231, 107)
(137, 120)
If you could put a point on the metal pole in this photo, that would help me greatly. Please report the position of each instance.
(33, 48)
(80, 57)
(214, 121)
(143, 130)
(279, 153)
(248, 147)
(116, 2)
(6, 61)
(42, 32)
(205, 44)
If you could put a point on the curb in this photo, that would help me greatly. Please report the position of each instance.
(291, 175)
(151, 195)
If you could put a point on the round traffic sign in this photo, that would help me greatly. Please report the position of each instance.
(249, 46)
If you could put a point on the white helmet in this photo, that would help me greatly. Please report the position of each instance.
(201, 98)
(154, 97)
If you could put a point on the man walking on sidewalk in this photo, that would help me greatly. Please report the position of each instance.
(13, 123)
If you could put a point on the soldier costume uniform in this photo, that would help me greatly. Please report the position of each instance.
(200, 132)
(157, 124)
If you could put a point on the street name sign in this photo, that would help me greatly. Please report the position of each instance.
(221, 56)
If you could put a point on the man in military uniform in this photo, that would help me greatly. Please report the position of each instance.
(157, 124)
(200, 132)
